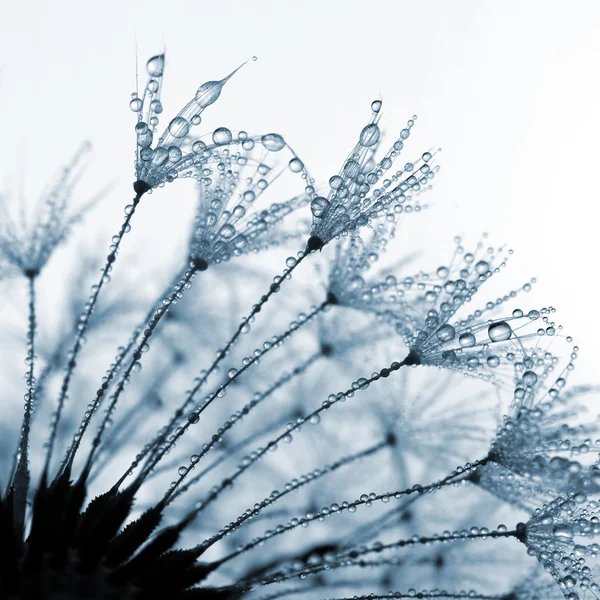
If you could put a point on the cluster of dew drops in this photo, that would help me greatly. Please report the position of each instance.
(179, 127)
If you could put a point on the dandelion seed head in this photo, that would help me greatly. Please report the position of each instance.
(363, 190)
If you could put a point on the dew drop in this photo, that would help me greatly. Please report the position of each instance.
(445, 333)
(135, 105)
(208, 93)
(296, 165)
(499, 331)
(179, 127)
(369, 136)
(493, 361)
(156, 106)
(467, 340)
(482, 267)
(272, 142)
(227, 231)
(318, 206)
(156, 65)
(529, 378)
(222, 135)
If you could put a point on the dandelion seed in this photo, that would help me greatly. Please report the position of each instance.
(354, 199)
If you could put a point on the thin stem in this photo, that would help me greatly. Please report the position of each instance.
(351, 583)
(245, 410)
(127, 424)
(361, 384)
(84, 320)
(365, 500)
(293, 485)
(22, 476)
(195, 416)
(155, 445)
(177, 293)
(158, 308)
(424, 594)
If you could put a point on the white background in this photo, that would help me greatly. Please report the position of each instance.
(509, 90)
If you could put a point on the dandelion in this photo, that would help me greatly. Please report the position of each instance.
(354, 199)
(272, 472)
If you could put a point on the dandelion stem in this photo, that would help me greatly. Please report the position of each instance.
(84, 320)
(198, 411)
(22, 476)
(272, 444)
(177, 293)
(245, 410)
(425, 594)
(114, 368)
(293, 485)
(155, 445)
(351, 507)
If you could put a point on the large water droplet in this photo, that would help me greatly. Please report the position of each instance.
(222, 135)
(227, 231)
(369, 136)
(318, 206)
(273, 142)
(500, 331)
(445, 333)
(179, 127)
(493, 361)
(208, 93)
(156, 65)
(467, 340)
(563, 531)
(135, 105)
(296, 165)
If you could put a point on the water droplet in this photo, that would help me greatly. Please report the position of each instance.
(208, 93)
(318, 206)
(482, 267)
(376, 106)
(445, 333)
(222, 135)
(156, 65)
(351, 169)
(179, 127)
(493, 361)
(563, 531)
(296, 165)
(529, 378)
(369, 136)
(160, 156)
(467, 340)
(135, 105)
(272, 142)
(227, 231)
(156, 106)
(175, 154)
(499, 331)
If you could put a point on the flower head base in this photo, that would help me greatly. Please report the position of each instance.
(534, 455)
(426, 318)
(25, 247)
(235, 212)
(558, 535)
(172, 155)
(354, 199)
